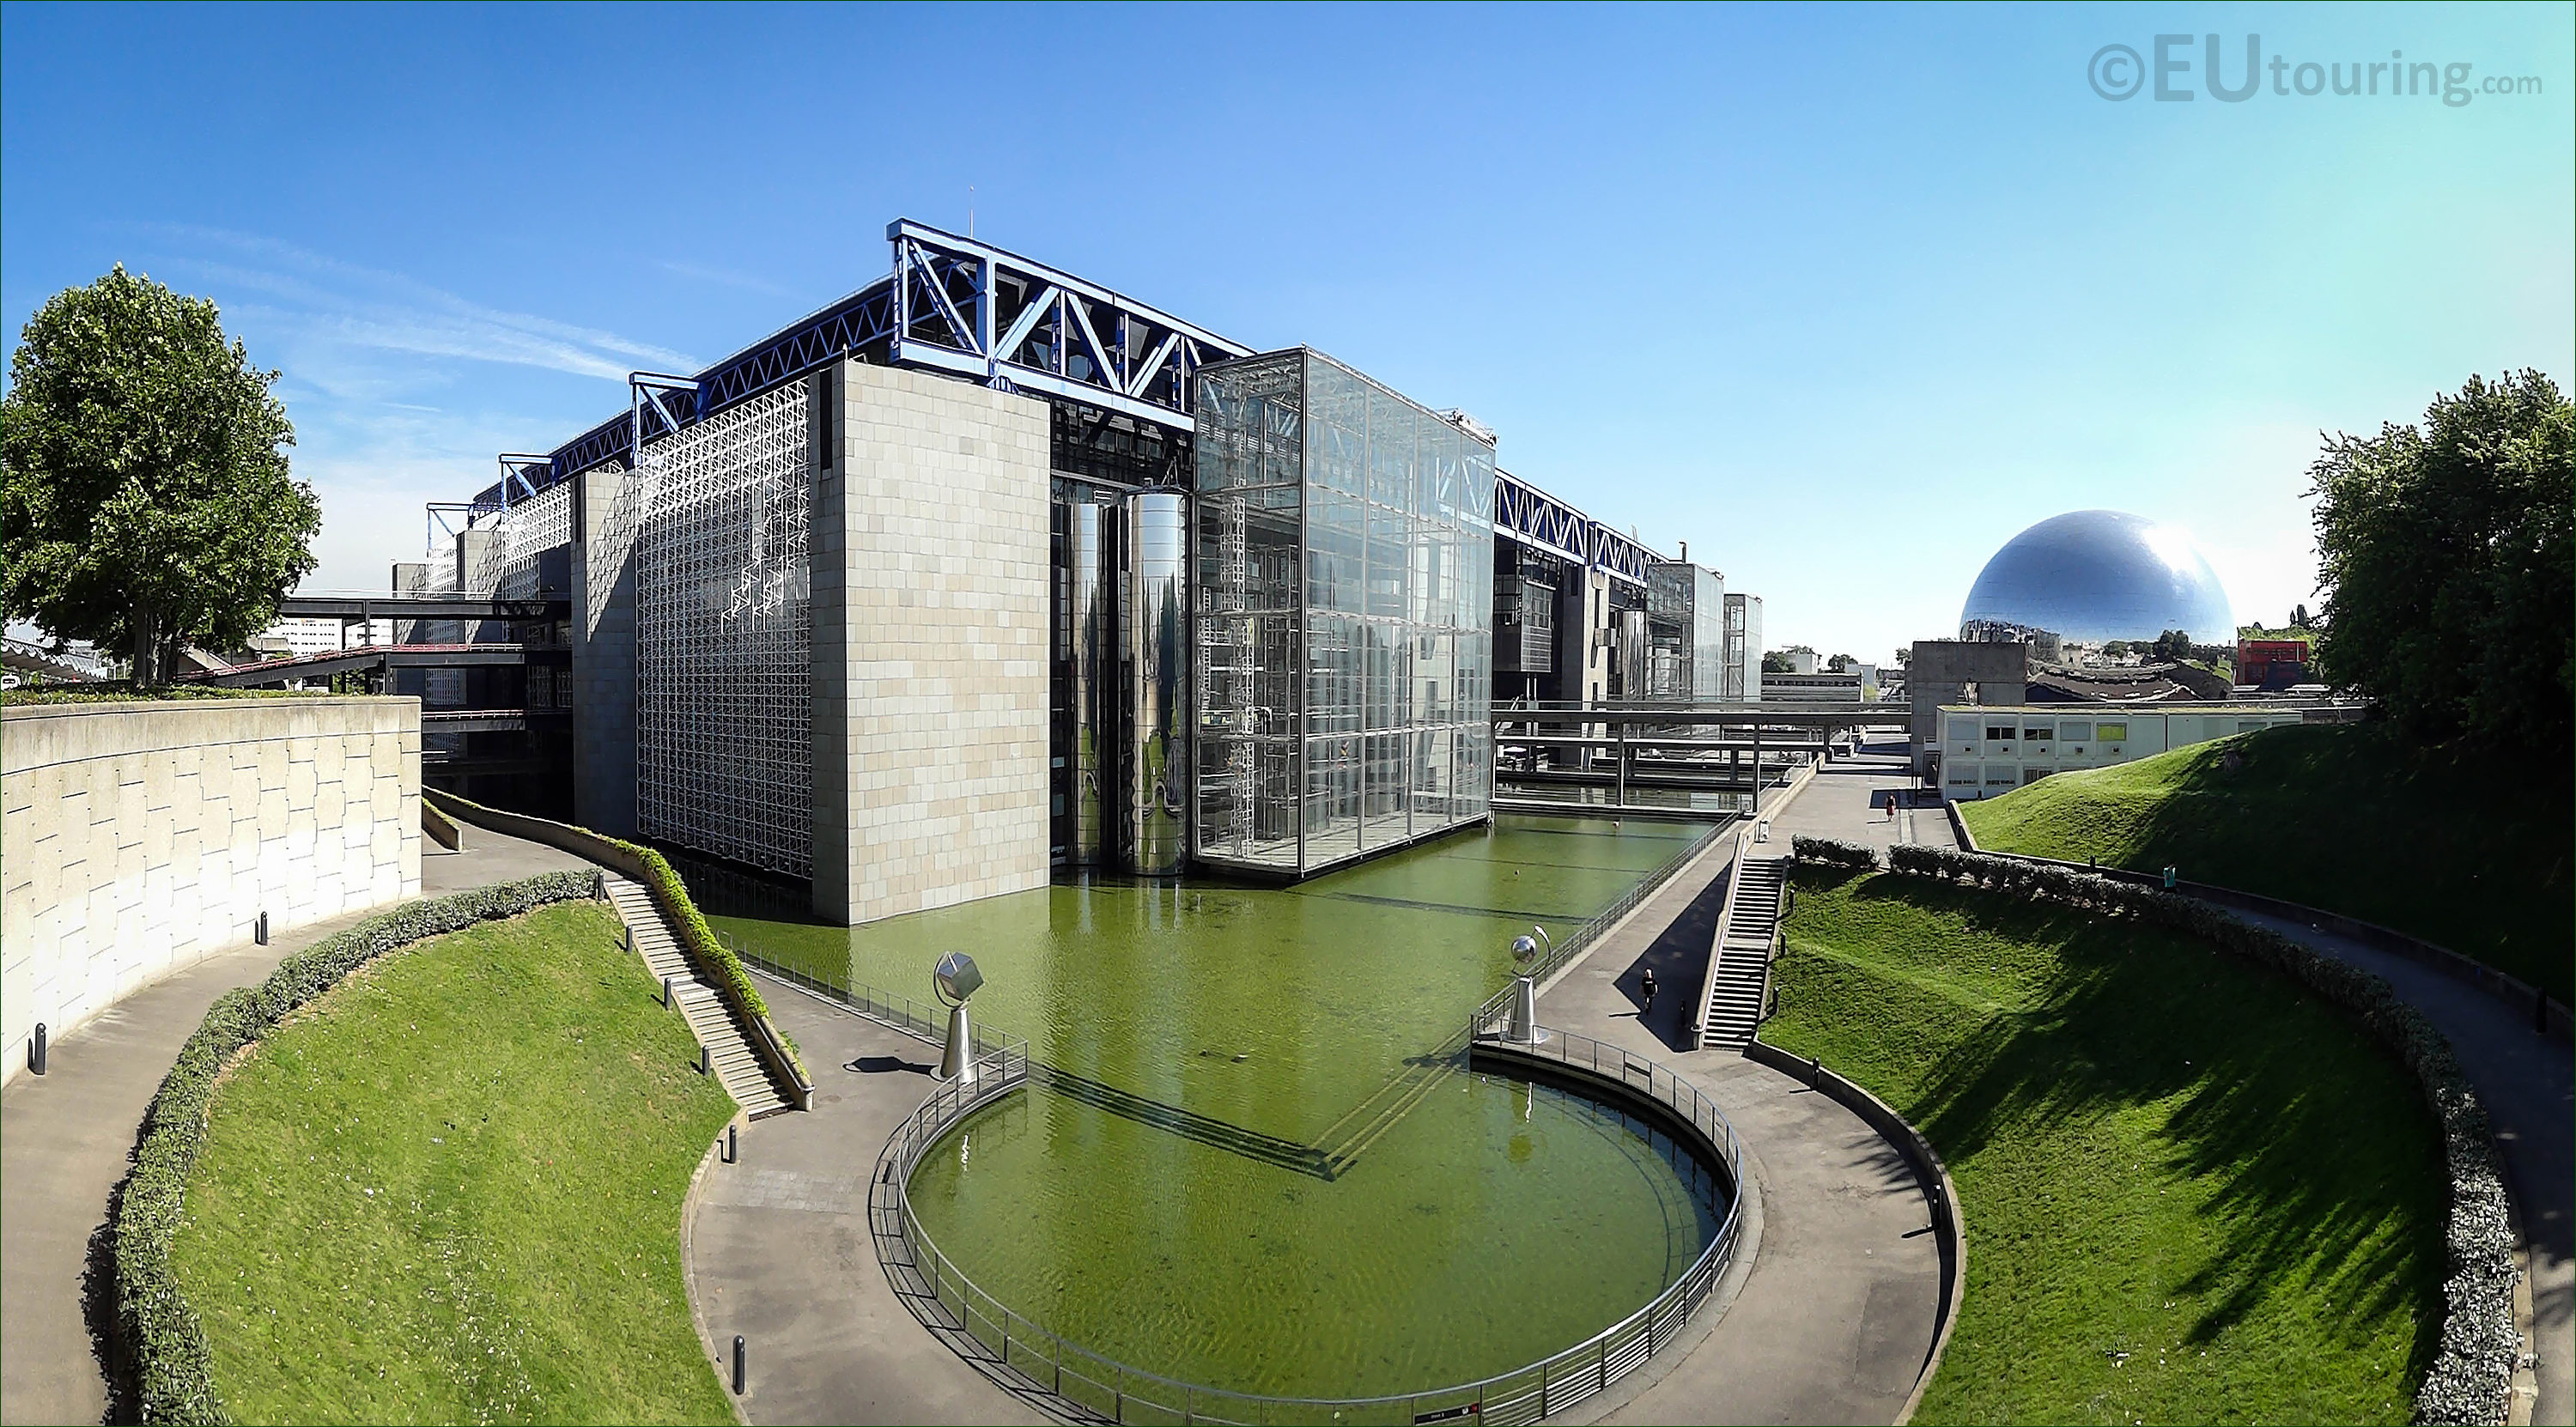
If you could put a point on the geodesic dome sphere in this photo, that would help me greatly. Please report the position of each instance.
(2093, 576)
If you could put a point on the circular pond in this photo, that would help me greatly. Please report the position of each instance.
(1498, 1222)
(1251, 1160)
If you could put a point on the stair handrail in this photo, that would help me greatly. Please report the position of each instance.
(1717, 943)
(669, 898)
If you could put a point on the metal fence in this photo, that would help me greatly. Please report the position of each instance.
(1081, 1384)
(918, 1019)
(1563, 953)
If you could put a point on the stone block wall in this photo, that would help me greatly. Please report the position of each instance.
(140, 838)
(931, 600)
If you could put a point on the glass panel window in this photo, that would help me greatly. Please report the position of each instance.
(2074, 732)
(2111, 732)
(1343, 541)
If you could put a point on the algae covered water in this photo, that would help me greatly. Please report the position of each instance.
(1158, 1197)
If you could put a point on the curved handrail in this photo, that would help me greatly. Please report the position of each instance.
(1082, 1384)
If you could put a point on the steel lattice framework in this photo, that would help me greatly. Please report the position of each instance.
(977, 312)
(527, 530)
(725, 634)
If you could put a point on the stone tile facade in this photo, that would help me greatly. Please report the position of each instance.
(139, 838)
(931, 602)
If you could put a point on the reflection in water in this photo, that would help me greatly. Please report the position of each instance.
(1164, 1195)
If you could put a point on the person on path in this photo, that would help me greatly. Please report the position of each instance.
(1649, 1007)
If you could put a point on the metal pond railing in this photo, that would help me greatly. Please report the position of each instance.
(1075, 1382)
(1563, 953)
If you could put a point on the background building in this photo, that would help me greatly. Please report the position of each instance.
(1991, 749)
(987, 570)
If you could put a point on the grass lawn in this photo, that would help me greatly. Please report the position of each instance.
(2465, 851)
(451, 1192)
(2191, 1194)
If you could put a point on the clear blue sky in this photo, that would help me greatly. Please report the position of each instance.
(1842, 297)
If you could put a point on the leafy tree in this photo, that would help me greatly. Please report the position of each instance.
(145, 500)
(1904, 654)
(1776, 662)
(2116, 649)
(1840, 664)
(2298, 616)
(2449, 568)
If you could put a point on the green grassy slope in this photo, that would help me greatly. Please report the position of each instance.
(451, 1193)
(2465, 851)
(2190, 1194)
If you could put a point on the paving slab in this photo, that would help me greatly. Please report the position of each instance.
(1836, 1316)
(67, 1138)
(779, 1249)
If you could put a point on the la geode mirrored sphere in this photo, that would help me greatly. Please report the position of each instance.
(2093, 576)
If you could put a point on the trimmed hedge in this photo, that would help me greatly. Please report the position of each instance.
(159, 1332)
(671, 896)
(2473, 1365)
(1833, 852)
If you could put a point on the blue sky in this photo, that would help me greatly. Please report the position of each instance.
(1842, 297)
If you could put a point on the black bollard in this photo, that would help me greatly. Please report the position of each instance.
(260, 935)
(666, 990)
(1815, 1073)
(737, 1365)
(36, 1052)
(733, 1149)
(706, 1060)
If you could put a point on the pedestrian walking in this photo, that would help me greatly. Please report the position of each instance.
(1650, 994)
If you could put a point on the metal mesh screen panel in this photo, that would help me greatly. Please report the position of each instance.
(528, 529)
(725, 635)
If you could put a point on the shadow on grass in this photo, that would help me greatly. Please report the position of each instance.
(2464, 848)
(2312, 1152)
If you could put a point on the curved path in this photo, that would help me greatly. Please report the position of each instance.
(2528, 1084)
(67, 1138)
(1837, 1315)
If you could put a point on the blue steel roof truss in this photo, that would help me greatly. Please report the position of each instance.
(966, 308)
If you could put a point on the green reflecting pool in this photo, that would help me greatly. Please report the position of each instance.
(1160, 1202)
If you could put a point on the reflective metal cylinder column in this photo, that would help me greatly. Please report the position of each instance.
(1633, 680)
(1156, 643)
(1091, 598)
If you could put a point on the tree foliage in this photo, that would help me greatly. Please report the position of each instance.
(145, 500)
(2450, 597)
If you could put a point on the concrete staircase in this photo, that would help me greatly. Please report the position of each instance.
(700, 1004)
(1742, 956)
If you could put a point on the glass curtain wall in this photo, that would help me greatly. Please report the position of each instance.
(1686, 620)
(1343, 539)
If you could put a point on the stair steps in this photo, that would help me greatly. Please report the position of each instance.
(1742, 955)
(699, 1003)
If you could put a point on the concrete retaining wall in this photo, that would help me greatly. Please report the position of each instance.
(1948, 1235)
(139, 838)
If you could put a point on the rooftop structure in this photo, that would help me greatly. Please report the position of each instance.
(987, 569)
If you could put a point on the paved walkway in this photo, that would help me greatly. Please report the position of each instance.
(69, 1138)
(2528, 1084)
(1835, 1317)
(779, 1251)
